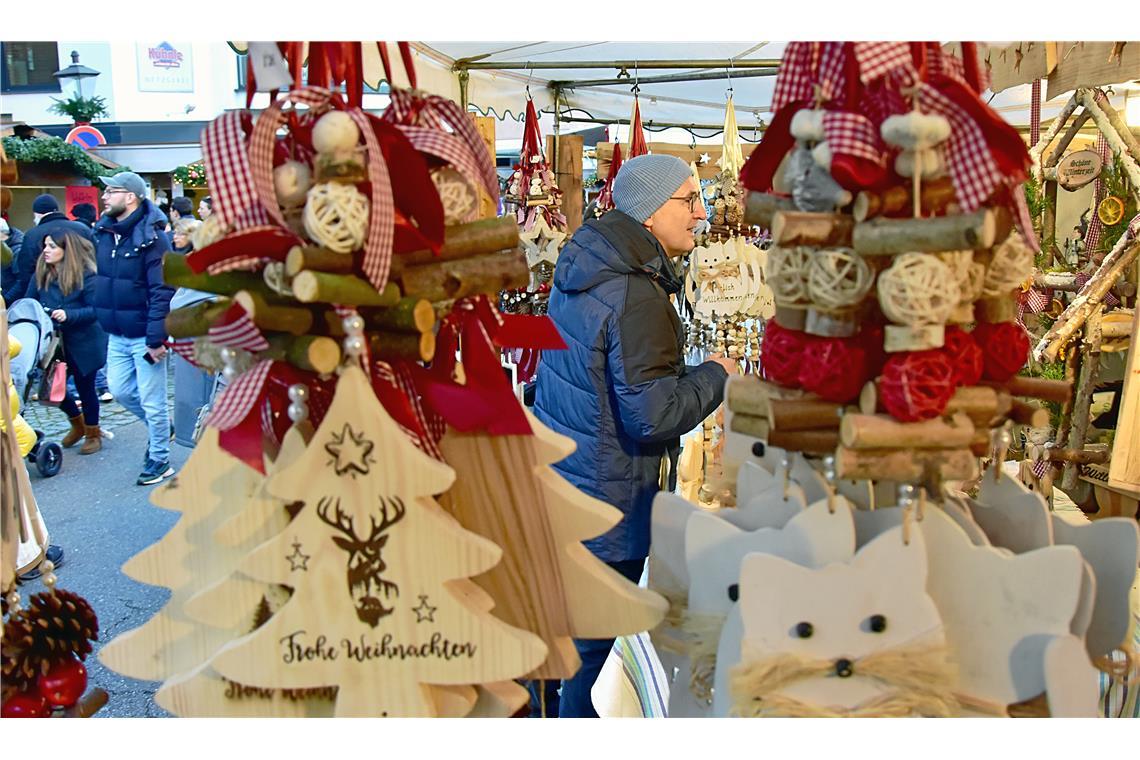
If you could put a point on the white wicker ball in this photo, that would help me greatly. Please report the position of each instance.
(1010, 266)
(336, 216)
(291, 181)
(787, 274)
(837, 278)
(918, 289)
(335, 132)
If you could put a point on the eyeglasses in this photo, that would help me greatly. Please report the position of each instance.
(692, 199)
(112, 192)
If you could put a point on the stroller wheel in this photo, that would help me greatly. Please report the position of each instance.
(49, 460)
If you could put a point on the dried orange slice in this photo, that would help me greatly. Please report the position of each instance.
(1111, 210)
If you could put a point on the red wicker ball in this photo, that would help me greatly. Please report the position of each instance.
(834, 369)
(1005, 347)
(871, 340)
(964, 355)
(917, 385)
(781, 352)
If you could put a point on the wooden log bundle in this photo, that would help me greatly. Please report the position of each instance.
(487, 273)
(958, 232)
(311, 286)
(463, 241)
(312, 353)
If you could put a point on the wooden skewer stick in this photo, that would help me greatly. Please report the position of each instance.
(312, 257)
(935, 196)
(195, 319)
(322, 287)
(887, 237)
(759, 208)
(791, 228)
(878, 431)
(398, 345)
(905, 466)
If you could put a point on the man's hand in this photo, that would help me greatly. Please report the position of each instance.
(156, 353)
(59, 315)
(730, 365)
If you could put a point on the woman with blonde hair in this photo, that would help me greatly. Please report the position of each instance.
(183, 234)
(64, 283)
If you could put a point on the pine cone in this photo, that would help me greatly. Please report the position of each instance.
(55, 626)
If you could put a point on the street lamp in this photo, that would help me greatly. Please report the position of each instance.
(77, 72)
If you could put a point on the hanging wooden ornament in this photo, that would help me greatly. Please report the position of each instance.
(385, 575)
(547, 582)
(336, 216)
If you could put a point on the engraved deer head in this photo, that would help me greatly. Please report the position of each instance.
(365, 565)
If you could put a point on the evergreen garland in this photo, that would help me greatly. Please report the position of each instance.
(53, 150)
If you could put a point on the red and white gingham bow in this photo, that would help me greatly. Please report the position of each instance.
(381, 219)
(1034, 301)
(423, 119)
(806, 66)
(852, 134)
(878, 59)
(235, 329)
(239, 397)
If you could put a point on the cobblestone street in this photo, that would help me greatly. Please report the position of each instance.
(112, 415)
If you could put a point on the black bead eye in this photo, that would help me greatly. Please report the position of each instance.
(877, 623)
(804, 630)
(758, 449)
(734, 592)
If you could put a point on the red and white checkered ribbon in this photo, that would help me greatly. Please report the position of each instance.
(412, 108)
(806, 66)
(878, 59)
(1081, 279)
(381, 220)
(235, 197)
(235, 329)
(852, 134)
(972, 168)
(1034, 301)
(1035, 113)
(239, 397)
(400, 379)
(184, 348)
(1040, 467)
(1096, 228)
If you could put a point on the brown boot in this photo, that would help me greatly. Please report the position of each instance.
(94, 441)
(76, 432)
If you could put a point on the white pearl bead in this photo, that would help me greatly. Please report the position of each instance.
(298, 412)
(354, 325)
(298, 393)
(354, 345)
(229, 373)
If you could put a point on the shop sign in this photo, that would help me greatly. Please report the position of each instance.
(1078, 169)
(165, 67)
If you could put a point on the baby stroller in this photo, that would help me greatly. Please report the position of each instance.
(30, 324)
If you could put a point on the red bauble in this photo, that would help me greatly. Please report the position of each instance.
(917, 385)
(781, 352)
(964, 355)
(834, 369)
(1005, 347)
(64, 684)
(25, 705)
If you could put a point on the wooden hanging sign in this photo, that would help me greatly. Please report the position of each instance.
(1078, 169)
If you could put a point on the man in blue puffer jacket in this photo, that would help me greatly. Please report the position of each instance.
(131, 302)
(621, 390)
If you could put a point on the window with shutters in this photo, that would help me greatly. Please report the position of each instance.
(28, 67)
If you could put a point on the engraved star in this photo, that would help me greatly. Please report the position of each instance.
(425, 611)
(541, 243)
(297, 560)
(351, 451)
(704, 159)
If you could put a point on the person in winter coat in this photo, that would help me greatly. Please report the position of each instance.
(132, 302)
(182, 234)
(193, 386)
(48, 220)
(65, 285)
(621, 389)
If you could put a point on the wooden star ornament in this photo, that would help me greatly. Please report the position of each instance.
(541, 242)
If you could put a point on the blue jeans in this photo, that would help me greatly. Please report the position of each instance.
(576, 701)
(141, 389)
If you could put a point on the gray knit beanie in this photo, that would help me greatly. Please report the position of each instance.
(644, 183)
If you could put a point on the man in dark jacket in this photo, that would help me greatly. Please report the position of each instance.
(46, 217)
(131, 302)
(621, 390)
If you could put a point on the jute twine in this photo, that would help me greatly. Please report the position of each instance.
(1011, 264)
(787, 274)
(838, 277)
(920, 680)
(918, 289)
(702, 631)
(336, 216)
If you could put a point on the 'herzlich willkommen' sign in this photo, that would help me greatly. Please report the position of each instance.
(165, 67)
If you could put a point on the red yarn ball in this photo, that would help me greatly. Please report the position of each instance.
(1005, 347)
(834, 369)
(781, 352)
(964, 355)
(917, 385)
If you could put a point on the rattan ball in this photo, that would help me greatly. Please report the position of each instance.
(291, 183)
(336, 216)
(918, 289)
(838, 277)
(335, 132)
(787, 274)
(1011, 264)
